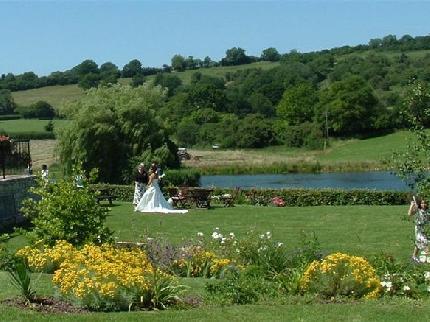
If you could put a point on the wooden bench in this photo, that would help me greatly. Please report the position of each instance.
(104, 194)
(179, 197)
(227, 200)
(200, 196)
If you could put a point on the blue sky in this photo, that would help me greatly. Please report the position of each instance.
(46, 36)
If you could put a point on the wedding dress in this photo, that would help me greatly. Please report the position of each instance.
(154, 201)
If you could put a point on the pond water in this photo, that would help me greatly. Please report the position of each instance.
(379, 180)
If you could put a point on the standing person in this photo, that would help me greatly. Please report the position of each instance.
(140, 181)
(30, 167)
(419, 210)
(153, 199)
(45, 172)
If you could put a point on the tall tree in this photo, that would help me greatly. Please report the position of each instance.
(133, 67)
(298, 104)
(110, 125)
(270, 54)
(235, 56)
(350, 104)
(178, 63)
(7, 104)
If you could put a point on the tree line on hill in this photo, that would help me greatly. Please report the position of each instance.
(88, 74)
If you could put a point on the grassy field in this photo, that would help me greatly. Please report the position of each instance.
(57, 95)
(359, 230)
(342, 154)
(29, 125)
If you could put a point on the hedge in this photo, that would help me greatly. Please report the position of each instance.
(32, 135)
(292, 197)
(7, 117)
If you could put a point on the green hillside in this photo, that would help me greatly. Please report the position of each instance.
(56, 95)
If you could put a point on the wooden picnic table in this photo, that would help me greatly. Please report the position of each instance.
(200, 196)
(184, 196)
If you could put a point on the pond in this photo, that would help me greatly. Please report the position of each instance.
(379, 180)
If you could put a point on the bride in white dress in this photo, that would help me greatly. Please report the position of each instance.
(153, 199)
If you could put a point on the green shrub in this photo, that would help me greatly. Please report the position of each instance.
(244, 287)
(399, 278)
(40, 109)
(7, 117)
(63, 211)
(33, 135)
(49, 127)
(292, 197)
(183, 177)
(316, 197)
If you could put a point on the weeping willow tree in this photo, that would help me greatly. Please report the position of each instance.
(112, 125)
(413, 164)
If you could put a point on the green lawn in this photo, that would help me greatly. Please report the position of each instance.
(360, 230)
(30, 125)
(369, 150)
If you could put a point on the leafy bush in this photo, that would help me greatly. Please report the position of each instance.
(20, 278)
(304, 135)
(183, 177)
(401, 279)
(341, 275)
(40, 109)
(245, 287)
(62, 211)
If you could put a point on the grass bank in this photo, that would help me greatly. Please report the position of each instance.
(342, 155)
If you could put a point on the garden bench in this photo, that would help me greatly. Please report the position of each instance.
(227, 200)
(104, 194)
(179, 196)
(200, 196)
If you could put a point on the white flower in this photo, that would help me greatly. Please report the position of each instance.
(237, 250)
(216, 228)
(280, 244)
(423, 258)
(428, 288)
(406, 288)
(200, 234)
(269, 234)
(262, 236)
(215, 235)
(232, 235)
(428, 259)
(234, 243)
(223, 240)
(427, 275)
(387, 285)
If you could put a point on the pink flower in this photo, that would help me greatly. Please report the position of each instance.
(278, 202)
